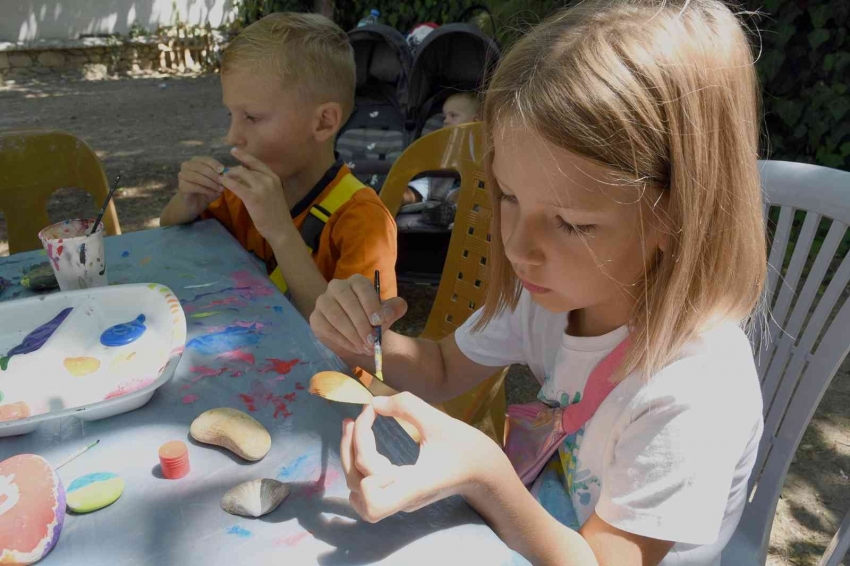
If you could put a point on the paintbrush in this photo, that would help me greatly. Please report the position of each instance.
(105, 204)
(379, 353)
(76, 454)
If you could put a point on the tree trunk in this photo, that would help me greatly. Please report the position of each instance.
(324, 7)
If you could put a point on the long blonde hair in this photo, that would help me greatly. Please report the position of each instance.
(663, 93)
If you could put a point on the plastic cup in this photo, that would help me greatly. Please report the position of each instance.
(77, 257)
(174, 460)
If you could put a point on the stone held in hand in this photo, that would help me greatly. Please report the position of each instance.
(234, 430)
(255, 498)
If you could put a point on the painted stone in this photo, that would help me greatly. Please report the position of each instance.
(32, 509)
(94, 491)
(40, 278)
(234, 430)
(255, 498)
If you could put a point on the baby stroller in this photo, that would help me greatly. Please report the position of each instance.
(375, 134)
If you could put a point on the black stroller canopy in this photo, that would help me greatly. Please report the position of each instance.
(382, 58)
(453, 57)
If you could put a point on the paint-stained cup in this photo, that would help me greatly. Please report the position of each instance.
(76, 256)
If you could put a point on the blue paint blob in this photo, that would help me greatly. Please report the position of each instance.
(278, 310)
(123, 334)
(89, 479)
(229, 339)
(125, 254)
(239, 531)
(294, 469)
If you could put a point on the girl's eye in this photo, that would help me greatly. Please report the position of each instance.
(250, 118)
(584, 230)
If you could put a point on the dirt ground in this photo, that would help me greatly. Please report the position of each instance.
(143, 128)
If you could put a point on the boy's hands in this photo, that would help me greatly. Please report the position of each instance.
(260, 189)
(199, 183)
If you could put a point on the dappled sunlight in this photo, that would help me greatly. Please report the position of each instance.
(192, 143)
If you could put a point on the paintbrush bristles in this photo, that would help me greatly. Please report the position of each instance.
(336, 386)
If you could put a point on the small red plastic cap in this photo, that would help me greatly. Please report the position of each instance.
(174, 459)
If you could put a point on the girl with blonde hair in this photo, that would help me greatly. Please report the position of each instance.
(627, 243)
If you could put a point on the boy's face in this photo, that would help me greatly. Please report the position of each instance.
(268, 122)
(459, 110)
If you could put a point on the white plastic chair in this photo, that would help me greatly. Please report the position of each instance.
(800, 354)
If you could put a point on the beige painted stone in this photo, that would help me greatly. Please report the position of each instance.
(95, 71)
(20, 60)
(52, 59)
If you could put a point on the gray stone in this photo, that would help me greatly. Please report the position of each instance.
(77, 61)
(52, 59)
(4, 61)
(20, 60)
(95, 57)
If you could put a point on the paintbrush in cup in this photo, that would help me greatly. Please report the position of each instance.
(105, 204)
(335, 386)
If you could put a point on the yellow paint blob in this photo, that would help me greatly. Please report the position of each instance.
(79, 367)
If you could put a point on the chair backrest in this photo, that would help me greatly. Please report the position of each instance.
(466, 273)
(807, 333)
(33, 165)
(457, 148)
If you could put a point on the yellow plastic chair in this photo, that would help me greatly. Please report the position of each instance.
(457, 148)
(33, 165)
(463, 284)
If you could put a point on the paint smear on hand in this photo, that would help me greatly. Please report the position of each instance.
(239, 531)
(189, 399)
(79, 367)
(238, 355)
(229, 339)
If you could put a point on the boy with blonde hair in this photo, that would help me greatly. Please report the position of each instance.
(288, 81)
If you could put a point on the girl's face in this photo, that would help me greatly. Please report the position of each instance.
(576, 239)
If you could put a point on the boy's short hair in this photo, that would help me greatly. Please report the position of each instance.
(308, 52)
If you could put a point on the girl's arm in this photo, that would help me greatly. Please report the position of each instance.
(344, 318)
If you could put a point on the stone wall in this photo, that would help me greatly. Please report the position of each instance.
(97, 58)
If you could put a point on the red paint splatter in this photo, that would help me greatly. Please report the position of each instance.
(239, 355)
(185, 387)
(204, 371)
(281, 367)
(248, 400)
(59, 250)
(299, 386)
(250, 285)
(280, 407)
(292, 540)
(290, 396)
(228, 301)
(236, 373)
(189, 399)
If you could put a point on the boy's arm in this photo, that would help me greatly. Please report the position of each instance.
(302, 277)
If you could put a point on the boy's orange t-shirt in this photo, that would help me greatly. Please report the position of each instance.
(359, 237)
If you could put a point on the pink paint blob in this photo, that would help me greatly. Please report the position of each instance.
(189, 399)
(248, 400)
(236, 373)
(129, 387)
(290, 396)
(204, 371)
(251, 285)
(292, 540)
(299, 386)
(239, 355)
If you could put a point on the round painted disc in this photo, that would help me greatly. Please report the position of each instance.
(32, 509)
(94, 491)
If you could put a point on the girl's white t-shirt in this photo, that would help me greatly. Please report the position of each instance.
(666, 458)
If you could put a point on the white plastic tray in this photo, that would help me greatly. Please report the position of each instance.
(73, 373)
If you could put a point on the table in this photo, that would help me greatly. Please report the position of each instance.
(180, 522)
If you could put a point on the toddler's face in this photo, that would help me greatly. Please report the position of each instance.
(458, 110)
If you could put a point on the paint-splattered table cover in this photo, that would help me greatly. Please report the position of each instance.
(249, 349)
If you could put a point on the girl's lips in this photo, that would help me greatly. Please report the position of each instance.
(531, 288)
